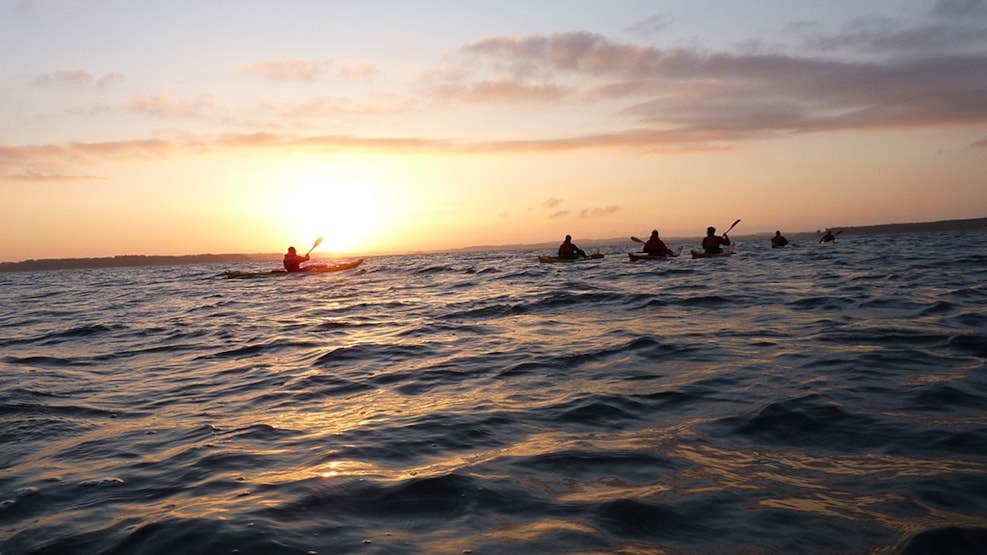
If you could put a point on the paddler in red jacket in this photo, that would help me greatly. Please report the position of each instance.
(568, 251)
(712, 243)
(656, 247)
(778, 240)
(292, 260)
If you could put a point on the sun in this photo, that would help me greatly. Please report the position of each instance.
(342, 211)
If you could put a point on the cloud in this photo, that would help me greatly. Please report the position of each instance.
(502, 90)
(71, 78)
(109, 79)
(355, 70)
(979, 143)
(651, 26)
(76, 78)
(164, 105)
(289, 70)
(60, 162)
(559, 214)
(693, 93)
(552, 202)
(599, 212)
(36, 176)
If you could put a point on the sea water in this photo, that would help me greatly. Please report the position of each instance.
(820, 399)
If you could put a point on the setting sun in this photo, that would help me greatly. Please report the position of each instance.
(342, 209)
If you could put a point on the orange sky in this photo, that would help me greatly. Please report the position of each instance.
(188, 128)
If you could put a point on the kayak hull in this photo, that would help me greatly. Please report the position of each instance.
(555, 260)
(636, 256)
(727, 251)
(314, 269)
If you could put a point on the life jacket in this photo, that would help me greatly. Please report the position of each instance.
(567, 250)
(293, 263)
(711, 244)
(655, 246)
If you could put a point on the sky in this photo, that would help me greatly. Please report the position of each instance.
(245, 126)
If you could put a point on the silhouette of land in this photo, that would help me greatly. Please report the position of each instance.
(142, 260)
(125, 261)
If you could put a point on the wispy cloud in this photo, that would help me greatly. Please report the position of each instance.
(501, 90)
(289, 70)
(165, 105)
(651, 26)
(77, 78)
(599, 212)
(109, 79)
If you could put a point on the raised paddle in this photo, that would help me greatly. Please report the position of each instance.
(636, 240)
(731, 227)
(316, 244)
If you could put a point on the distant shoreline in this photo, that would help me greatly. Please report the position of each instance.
(124, 261)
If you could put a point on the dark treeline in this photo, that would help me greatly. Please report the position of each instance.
(944, 225)
(124, 261)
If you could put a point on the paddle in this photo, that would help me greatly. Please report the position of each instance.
(316, 244)
(636, 240)
(731, 227)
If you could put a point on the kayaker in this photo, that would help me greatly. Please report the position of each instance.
(292, 260)
(568, 250)
(712, 242)
(656, 247)
(828, 237)
(778, 240)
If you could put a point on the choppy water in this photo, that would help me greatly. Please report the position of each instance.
(825, 399)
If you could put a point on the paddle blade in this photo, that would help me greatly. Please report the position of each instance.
(636, 240)
(316, 244)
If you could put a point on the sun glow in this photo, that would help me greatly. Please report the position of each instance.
(343, 210)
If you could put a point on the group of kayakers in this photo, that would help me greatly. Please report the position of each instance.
(712, 244)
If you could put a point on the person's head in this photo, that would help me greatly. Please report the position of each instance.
(710, 230)
(568, 238)
(291, 250)
(778, 233)
(654, 233)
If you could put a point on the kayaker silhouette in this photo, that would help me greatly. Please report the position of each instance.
(778, 240)
(569, 251)
(712, 243)
(293, 261)
(656, 247)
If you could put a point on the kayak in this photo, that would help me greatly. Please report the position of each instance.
(314, 269)
(727, 251)
(552, 259)
(635, 256)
